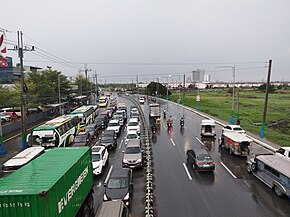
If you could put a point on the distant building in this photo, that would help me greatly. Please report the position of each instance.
(6, 73)
(206, 78)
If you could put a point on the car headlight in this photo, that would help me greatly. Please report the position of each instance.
(139, 161)
(127, 196)
(125, 161)
(105, 197)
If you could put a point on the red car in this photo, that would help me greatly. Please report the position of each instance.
(13, 115)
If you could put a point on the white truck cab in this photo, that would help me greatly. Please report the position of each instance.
(283, 152)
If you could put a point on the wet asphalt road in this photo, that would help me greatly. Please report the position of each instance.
(228, 191)
(180, 191)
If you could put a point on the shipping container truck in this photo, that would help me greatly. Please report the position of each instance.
(58, 183)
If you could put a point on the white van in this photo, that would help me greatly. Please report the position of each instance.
(22, 159)
(208, 128)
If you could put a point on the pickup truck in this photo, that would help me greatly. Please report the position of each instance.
(283, 152)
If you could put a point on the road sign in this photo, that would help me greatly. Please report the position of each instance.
(197, 98)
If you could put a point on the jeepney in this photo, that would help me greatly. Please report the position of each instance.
(208, 128)
(238, 144)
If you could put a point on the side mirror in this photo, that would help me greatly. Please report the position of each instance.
(123, 151)
(105, 184)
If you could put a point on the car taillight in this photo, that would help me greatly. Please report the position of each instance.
(199, 163)
(211, 163)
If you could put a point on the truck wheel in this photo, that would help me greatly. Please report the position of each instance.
(249, 169)
(254, 167)
(278, 191)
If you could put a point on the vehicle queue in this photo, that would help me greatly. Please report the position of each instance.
(100, 155)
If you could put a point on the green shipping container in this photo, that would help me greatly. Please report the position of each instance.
(55, 184)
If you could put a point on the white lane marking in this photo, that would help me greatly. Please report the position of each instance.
(187, 172)
(172, 142)
(199, 141)
(230, 172)
(107, 178)
(164, 127)
(174, 117)
(188, 117)
(185, 127)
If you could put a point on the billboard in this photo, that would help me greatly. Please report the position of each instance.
(3, 60)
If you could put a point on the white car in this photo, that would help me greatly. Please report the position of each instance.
(133, 134)
(141, 100)
(100, 158)
(134, 125)
(233, 128)
(114, 125)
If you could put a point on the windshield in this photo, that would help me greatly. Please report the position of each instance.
(203, 157)
(102, 101)
(113, 124)
(80, 139)
(88, 129)
(238, 129)
(132, 150)
(115, 183)
(107, 138)
(132, 124)
(132, 136)
(118, 117)
(96, 157)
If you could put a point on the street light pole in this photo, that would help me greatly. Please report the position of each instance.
(59, 99)
(232, 119)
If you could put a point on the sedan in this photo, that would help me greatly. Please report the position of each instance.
(200, 160)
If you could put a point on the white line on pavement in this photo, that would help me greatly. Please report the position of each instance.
(172, 142)
(189, 117)
(199, 141)
(230, 172)
(185, 127)
(187, 172)
(164, 127)
(174, 117)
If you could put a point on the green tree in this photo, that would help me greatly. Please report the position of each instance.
(43, 86)
(262, 88)
(152, 87)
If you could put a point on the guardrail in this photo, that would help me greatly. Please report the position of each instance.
(149, 197)
(259, 142)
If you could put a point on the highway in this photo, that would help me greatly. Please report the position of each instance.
(180, 191)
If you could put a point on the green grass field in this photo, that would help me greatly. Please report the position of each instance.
(251, 104)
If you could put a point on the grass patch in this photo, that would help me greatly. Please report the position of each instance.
(251, 105)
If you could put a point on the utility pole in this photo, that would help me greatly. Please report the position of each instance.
(262, 132)
(86, 83)
(59, 98)
(137, 84)
(20, 50)
(183, 94)
(97, 88)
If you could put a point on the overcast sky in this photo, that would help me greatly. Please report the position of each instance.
(120, 39)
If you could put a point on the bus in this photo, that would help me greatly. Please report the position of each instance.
(58, 132)
(86, 115)
(273, 171)
(21, 159)
(103, 101)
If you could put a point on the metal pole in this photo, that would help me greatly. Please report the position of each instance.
(262, 132)
(2, 150)
(232, 120)
(23, 92)
(59, 100)
(167, 89)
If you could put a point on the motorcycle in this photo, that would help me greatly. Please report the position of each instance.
(164, 115)
(181, 123)
(169, 124)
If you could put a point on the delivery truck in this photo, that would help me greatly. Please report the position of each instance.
(58, 183)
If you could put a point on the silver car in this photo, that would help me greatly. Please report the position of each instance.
(133, 154)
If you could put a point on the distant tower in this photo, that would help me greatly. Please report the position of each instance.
(197, 75)
(206, 78)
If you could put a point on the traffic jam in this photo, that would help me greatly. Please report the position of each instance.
(94, 161)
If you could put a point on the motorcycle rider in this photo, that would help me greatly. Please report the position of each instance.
(164, 113)
(181, 121)
(170, 121)
(153, 128)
